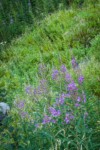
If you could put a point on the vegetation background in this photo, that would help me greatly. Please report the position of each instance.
(15, 15)
(35, 32)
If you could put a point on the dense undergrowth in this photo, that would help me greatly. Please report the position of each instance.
(39, 123)
(16, 15)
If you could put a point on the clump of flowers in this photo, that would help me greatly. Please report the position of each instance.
(66, 106)
(68, 118)
(21, 104)
(63, 68)
(74, 62)
(56, 106)
(80, 79)
(42, 88)
(54, 112)
(72, 86)
(69, 100)
(55, 74)
(29, 89)
(46, 119)
(68, 77)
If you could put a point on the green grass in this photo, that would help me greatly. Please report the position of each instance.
(53, 41)
(50, 42)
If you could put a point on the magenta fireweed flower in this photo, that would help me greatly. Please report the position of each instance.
(72, 86)
(53, 121)
(68, 77)
(68, 118)
(54, 112)
(80, 79)
(78, 99)
(46, 119)
(43, 82)
(35, 91)
(84, 97)
(28, 89)
(21, 104)
(63, 68)
(55, 74)
(23, 114)
(62, 98)
(74, 63)
(42, 88)
(38, 91)
(77, 105)
(67, 95)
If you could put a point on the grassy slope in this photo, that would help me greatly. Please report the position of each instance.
(50, 42)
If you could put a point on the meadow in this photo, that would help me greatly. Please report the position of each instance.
(50, 77)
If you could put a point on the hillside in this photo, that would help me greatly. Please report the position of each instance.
(53, 42)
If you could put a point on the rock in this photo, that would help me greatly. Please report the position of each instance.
(4, 108)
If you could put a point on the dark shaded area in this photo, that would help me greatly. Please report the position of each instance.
(15, 15)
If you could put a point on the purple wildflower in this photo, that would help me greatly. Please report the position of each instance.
(42, 88)
(84, 97)
(43, 82)
(68, 118)
(68, 77)
(53, 121)
(20, 104)
(54, 112)
(80, 79)
(46, 119)
(67, 95)
(62, 98)
(74, 63)
(63, 68)
(35, 91)
(55, 74)
(72, 86)
(39, 90)
(77, 105)
(28, 89)
(78, 99)
(23, 114)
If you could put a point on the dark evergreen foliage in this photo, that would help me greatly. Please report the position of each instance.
(15, 15)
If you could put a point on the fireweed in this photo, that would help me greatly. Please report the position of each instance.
(69, 100)
(69, 105)
(62, 108)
